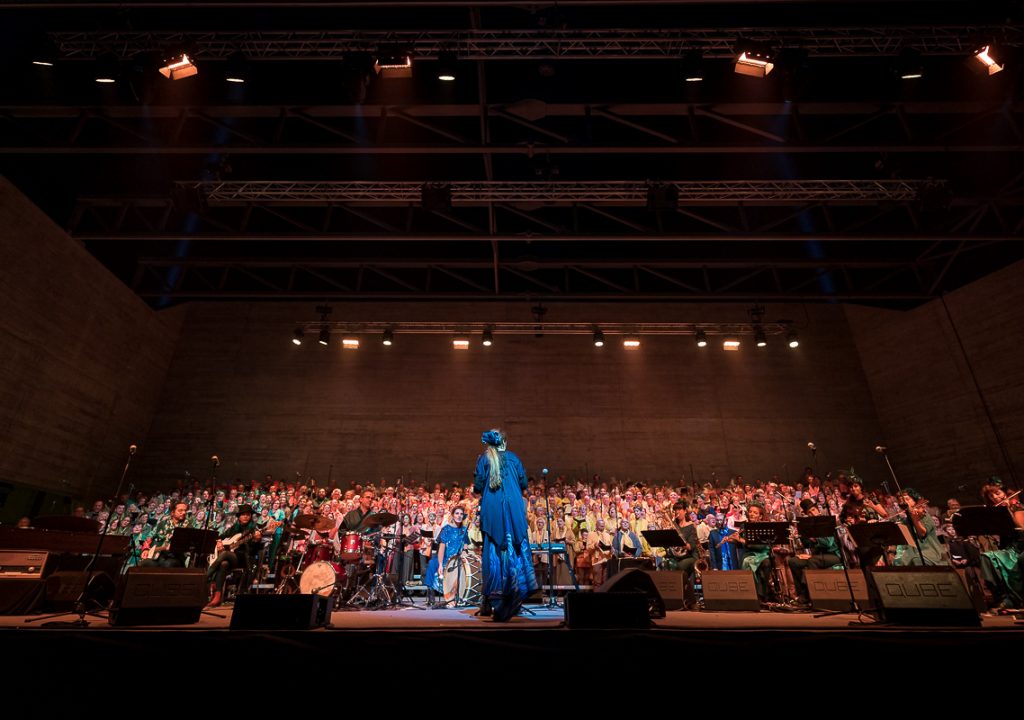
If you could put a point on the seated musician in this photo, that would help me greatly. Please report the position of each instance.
(355, 520)
(684, 557)
(755, 555)
(818, 554)
(917, 519)
(1002, 568)
(238, 555)
(159, 553)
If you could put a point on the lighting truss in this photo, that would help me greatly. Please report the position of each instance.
(547, 328)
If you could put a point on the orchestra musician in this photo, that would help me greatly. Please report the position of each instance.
(818, 553)
(159, 553)
(237, 556)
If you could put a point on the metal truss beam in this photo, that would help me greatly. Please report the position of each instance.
(534, 44)
(615, 193)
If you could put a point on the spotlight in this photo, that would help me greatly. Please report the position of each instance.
(298, 336)
(460, 342)
(908, 66)
(989, 60)
(488, 339)
(693, 68)
(44, 54)
(631, 341)
(179, 67)
(350, 343)
(237, 70)
(388, 338)
(325, 336)
(731, 343)
(702, 339)
(393, 65)
(759, 338)
(793, 340)
(446, 66)
(106, 70)
(598, 338)
(754, 59)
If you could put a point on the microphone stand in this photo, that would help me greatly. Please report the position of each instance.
(551, 604)
(83, 597)
(206, 521)
(906, 509)
(854, 605)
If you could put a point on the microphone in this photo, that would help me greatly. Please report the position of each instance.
(215, 460)
(132, 449)
(811, 446)
(880, 449)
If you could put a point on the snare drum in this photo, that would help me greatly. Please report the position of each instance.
(322, 578)
(351, 546)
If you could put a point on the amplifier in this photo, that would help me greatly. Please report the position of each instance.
(23, 563)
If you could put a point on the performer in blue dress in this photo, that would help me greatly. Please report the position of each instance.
(500, 480)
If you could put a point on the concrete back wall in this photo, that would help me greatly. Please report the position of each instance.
(929, 407)
(239, 388)
(82, 359)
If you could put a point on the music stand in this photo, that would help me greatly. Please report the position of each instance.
(198, 544)
(767, 533)
(875, 536)
(983, 520)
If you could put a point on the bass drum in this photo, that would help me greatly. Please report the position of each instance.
(322, 578)
(464, 577)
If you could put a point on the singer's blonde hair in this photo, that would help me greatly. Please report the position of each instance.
(494, 460)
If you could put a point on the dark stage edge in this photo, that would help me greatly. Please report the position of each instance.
(381, 636)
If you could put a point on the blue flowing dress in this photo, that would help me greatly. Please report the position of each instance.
(453, 538)
(507, 563)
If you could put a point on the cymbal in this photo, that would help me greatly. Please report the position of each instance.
(314, 522)
(380, 519)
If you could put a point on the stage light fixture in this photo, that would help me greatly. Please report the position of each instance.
(909, 66)
(702, 339)
(693, 68)
(350, 343)
(793, 340)
(325, 336)
(299, 334)
(237, 70)
(598, 338)
(393, 65)
(488, 339)
(460, 342)
(731, 343)
(388, 338)
(989, 59)
(106, 70)
(759, 338)
(44, 52)
(179, 67)
(631, 341)
(754, 59)
(446, 66)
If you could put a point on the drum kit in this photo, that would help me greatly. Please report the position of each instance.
(353, 567)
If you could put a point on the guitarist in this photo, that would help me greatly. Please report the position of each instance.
(243, 543)
(159, 553)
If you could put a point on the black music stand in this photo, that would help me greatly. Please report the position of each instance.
(767, 533)
(877, 536)
(663, 538)
(984, 520)
(194, 544)
(818, 526)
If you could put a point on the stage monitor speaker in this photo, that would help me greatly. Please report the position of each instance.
(829, 591)
(634, 580)
(281, 612)
(922, 596)
(64, 587)
(160, 596)
(730, 590)
(591, 610)
(669, 584)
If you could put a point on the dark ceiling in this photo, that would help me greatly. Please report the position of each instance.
(569, 159)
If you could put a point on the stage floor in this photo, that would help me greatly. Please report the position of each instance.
(420, 618)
